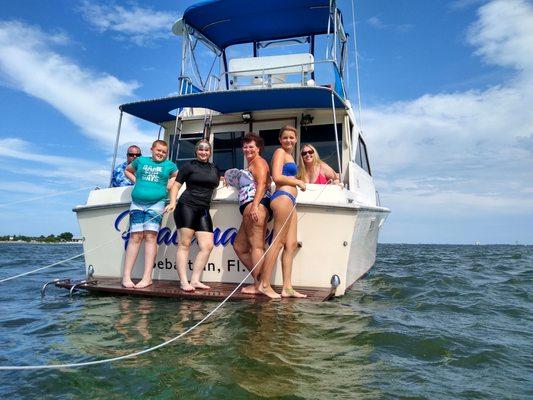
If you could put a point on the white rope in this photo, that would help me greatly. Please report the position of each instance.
(71, 258)
(45, 196)
(41, 268)
(150, 349)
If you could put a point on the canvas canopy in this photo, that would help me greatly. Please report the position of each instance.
(229, 22)
(233, 101)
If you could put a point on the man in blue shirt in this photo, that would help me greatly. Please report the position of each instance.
(119, 178)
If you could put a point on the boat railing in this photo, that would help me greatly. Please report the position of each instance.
(186, 86)
(275, 76)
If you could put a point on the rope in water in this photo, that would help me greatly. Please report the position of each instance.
(150, 349)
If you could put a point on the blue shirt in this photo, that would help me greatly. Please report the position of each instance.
(119, 178)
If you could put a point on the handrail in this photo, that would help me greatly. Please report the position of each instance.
(267, 73)
(280, 67)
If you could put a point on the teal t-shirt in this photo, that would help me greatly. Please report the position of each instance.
(151, 179)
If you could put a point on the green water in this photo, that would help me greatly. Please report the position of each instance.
(429, 322)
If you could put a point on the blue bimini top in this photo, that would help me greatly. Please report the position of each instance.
(233, 101)
(229, 22)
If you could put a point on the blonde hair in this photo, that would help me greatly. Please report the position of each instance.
(160, 142)
(288, 128)
(302, 170)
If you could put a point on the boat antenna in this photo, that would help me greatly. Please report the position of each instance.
(357, 67)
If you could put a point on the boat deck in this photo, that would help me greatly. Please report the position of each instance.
(165, 288)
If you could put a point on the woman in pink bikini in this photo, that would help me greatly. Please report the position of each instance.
(311, 169)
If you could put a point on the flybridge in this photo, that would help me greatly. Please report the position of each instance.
(260, 82)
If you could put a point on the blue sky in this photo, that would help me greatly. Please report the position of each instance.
(447, 90)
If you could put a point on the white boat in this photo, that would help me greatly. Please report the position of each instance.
(278, 84)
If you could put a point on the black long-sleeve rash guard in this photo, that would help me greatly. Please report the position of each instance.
(201, 179)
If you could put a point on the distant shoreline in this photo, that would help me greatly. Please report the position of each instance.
(23, 242)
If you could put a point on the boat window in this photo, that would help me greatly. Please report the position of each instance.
(322, 137)
(186, 148)
(362, 157)
(271, 139)
(227, 150)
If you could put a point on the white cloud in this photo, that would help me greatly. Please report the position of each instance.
(504, 34)
(139, 25)
(377, 23)
(20, 158)
(465, 149)
(462, 4)
(89, 99)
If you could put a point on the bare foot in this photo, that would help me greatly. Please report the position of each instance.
(142, 284)
(127, 283)
(268, 291)
(187, 288)
(199, 285)
(290, 292)
(250, 289)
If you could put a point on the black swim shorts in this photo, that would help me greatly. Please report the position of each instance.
(195, 218)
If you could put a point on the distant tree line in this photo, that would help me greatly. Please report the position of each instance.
(63, 237)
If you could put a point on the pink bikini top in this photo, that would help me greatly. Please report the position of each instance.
(321, 179)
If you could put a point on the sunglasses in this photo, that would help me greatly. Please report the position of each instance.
(310, 152)
(134, 154)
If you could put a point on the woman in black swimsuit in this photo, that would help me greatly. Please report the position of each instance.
(192, 213)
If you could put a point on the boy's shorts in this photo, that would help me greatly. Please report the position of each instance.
(146, 216)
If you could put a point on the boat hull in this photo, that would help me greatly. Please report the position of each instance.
(333, 240)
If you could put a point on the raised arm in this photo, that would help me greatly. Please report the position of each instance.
(278, 159)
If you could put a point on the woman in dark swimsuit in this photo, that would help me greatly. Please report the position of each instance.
(192, 213)
(282, 202)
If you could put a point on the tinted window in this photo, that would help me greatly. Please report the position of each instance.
(362, 157)
(228, 150)
(322, 137)
(271, 139)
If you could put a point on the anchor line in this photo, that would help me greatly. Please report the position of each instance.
(150, 349)
(71, 258)
(44, 197)
(74, 257)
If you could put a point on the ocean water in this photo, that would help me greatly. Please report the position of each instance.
(428, 322)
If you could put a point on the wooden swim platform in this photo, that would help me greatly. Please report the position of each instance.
(166, 288)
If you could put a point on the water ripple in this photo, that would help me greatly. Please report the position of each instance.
(429, 321)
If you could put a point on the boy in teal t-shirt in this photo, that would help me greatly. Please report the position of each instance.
(151, 176)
